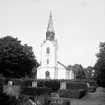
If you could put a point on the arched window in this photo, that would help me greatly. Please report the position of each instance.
(48, 50)
(47, 73)
(47, 61)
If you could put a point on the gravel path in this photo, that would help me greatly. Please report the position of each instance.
(96, 98)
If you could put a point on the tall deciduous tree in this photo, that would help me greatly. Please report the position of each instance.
(100, 64)
(78, 71)
(89, 72)
(16, 59)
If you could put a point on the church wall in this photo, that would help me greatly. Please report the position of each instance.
(71, 74)
(42, 71)
(50, 56)
(61, 73)
(67, 74)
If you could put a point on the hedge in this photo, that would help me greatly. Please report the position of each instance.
(91, 89)
(55, 85)
(69, 93)
(35, 91)
(14, 80)
(42, 82)
(91, 82)
(76, 85)
(29, 81)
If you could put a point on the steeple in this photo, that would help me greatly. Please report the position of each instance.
(50, 24)
(50, 29)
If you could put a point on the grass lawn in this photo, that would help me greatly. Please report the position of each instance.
(96, 98)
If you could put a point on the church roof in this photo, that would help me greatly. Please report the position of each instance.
(62, 66)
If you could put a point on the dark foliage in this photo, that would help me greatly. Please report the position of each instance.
(36, 91)
(91, 89)
(89, 72)
(69, 93)
(78, 71)
(100, 65)
(76, 85)
(55, 85)
(91, 82)
(8, 100)
(16, 59)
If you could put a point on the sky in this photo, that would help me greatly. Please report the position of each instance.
(79, 26)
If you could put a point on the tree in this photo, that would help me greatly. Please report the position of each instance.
(78, 71)
(89, 74)
(100, 64)
(16, 59)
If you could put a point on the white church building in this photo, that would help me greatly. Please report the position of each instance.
(50, 67)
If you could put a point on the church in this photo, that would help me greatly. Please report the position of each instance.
(50, 67)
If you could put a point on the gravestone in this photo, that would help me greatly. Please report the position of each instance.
(14, 90)
(63, 85)
(10, 83)
(34, 84)
(55, 95)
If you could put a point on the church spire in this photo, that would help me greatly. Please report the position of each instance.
(50, 29)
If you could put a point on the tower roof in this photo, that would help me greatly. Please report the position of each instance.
(50, 27)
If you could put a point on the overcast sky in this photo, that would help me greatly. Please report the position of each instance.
(79, 26)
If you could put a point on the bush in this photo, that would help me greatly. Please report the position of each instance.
(8, 99)
(53, 84)
(70, 84)
(28, 82)
(76, 85)
(35, 91)
(39, 100)
(91, 89)
(69, 93)
(91, 82)
(14, 80)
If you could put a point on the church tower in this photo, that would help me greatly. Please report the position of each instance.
(49, 48)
